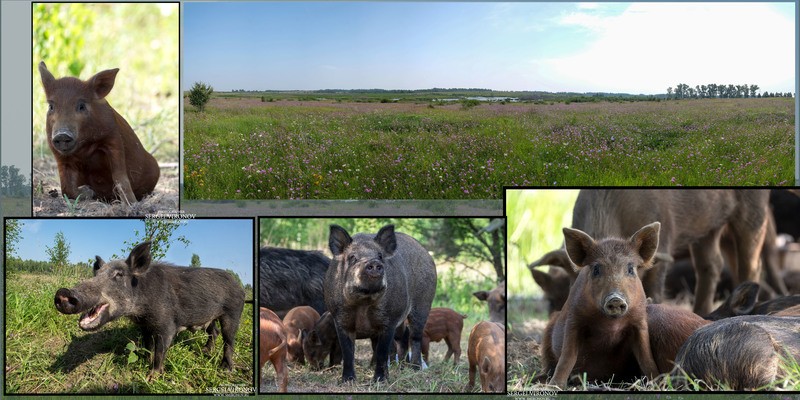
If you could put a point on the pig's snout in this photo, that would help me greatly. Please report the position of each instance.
(615, 305)
(65, 302)
(64, 140)
(373, 271)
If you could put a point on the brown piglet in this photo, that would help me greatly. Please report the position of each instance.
(272, 346)
(603, 328)
(296, 320)
(97, 153)
(487, 355)
(496, 299)
(444, 324)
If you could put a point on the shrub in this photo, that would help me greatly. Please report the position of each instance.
(469, 103)
(199, 95)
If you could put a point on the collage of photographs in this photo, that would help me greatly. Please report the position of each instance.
(355, 199)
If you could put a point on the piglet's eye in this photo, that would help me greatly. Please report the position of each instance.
(631, 270)
(351, 259)
(81, 106)
(596, 270)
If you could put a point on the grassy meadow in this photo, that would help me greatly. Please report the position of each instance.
(46, 352)
(295, 148)
(535, 219)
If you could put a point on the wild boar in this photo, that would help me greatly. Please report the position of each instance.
(496, 300)
(743, 301)
(291, 278)
(693, 222)
(444, 324)
(603, 328)
(97, 153)
(374, 283)
(272, 346)
(162, 299)
(744, 353)
(296, 320)
(487, 354)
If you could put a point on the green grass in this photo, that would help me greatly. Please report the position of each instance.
(48, 353)
(535, 222)
(242, 148)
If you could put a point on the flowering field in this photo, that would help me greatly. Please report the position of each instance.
(242, 148)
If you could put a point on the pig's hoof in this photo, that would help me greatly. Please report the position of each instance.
(53, 192)
(379, 378)
(85, 192)
(348, 378)
(227, 365)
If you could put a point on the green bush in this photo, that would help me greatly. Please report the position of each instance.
(199, 95)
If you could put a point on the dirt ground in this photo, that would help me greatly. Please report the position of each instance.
(48, 200)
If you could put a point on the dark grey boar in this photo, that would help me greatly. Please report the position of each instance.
(496, 300)
(693, 222)
(160, 298)
(743, 301)
(742, 352)
(374, 283)
(291, 278)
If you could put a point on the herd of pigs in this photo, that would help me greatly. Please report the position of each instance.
(378, 287)
(607, 286)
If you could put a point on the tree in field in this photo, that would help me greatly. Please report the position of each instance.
(199, 95)
(669, 92)
(13, 235)
(195, 261)
(479, 238)
(159, 232)
(59, 253)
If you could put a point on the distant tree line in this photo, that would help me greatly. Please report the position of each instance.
(718, 91)
(12, 184)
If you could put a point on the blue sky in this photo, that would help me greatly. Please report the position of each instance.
(220, 243)
(619, 47)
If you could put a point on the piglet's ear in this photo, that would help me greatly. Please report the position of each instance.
(338, 240)
(102, 82)
(47, 77)
(139, 259)
(578, 245)
(387, 239)
(645, 241)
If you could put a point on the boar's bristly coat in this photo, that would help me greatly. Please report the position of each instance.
(374, 283)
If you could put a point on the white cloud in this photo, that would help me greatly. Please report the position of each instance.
(31, 226)
(654, 45)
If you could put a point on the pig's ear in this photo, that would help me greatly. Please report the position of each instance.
(743, 298)
(543, 279)
(47, 77)
(482, 295)
(98, 262)
(338, 240)
(645, 241)
(578, 245)
(486, 365)
(387, 239)
(139, 260)
(103, 82)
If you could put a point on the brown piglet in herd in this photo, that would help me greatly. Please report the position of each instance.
(272, 346)
(487, 355)
(444, 324)
(603, 327)
(296, 320)
(97, 153)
